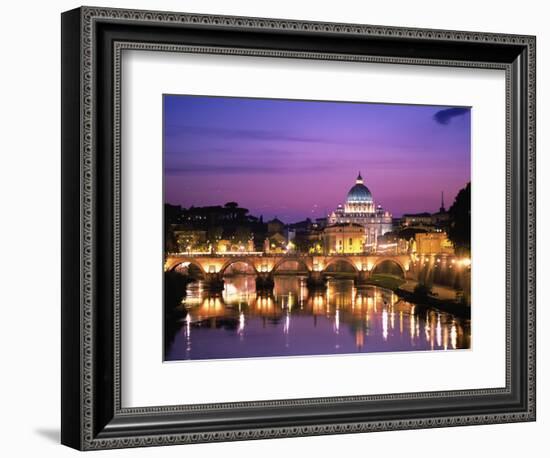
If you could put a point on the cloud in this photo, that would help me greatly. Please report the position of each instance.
(444, 116)
(283, 167)
(243, 169)
(244, 134)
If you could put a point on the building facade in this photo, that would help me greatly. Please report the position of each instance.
(360, 209)
(432, 243)
(344, 238)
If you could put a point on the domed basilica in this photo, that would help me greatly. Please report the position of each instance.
(360, 209)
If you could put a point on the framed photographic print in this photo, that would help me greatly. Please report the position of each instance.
(279, 228)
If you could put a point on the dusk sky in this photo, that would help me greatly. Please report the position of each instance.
(298, 159)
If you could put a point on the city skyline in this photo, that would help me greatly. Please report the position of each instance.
(296, 159)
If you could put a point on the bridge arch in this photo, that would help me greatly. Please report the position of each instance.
(174, 263)
(282, 261)
(231, 261)
(392, 262)
(341, 259)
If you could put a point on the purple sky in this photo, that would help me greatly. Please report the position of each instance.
(298, 159)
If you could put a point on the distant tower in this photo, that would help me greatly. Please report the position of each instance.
(359, 179)
(442, 208)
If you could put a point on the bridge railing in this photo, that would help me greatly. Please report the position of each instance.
(277, 255)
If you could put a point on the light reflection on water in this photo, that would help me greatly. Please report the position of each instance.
(241, 322)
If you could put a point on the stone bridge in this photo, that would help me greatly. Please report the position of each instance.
(316, 267)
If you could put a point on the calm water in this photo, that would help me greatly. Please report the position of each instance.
(240, 323)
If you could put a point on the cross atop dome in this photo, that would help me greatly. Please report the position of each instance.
(359, 179)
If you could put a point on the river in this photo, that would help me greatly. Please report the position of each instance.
(290, 321)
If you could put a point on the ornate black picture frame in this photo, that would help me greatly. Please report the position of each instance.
(92, 42)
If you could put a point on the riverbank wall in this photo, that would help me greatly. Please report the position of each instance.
(423, 302)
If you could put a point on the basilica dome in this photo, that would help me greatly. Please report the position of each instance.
(359, 193)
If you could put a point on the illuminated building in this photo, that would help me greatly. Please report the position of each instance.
(416, 220)
(433, 243)
(344, 238)
(190, 240)
(275, 243)
(231, 246)
(360, 209)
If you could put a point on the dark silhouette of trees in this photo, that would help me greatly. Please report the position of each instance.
(172, 215)
(175, 286)
(234, 212)
(460, 221)
(409, 232)
(229, 222)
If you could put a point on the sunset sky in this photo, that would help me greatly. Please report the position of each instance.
(298, 159)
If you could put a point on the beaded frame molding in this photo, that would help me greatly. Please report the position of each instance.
(93, 40)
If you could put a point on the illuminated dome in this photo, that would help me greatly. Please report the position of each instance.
(359, 193)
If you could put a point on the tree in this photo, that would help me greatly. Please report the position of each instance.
(214, 233)
(242, 234)
(460, 221)
(410, 232)
(172, 217)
